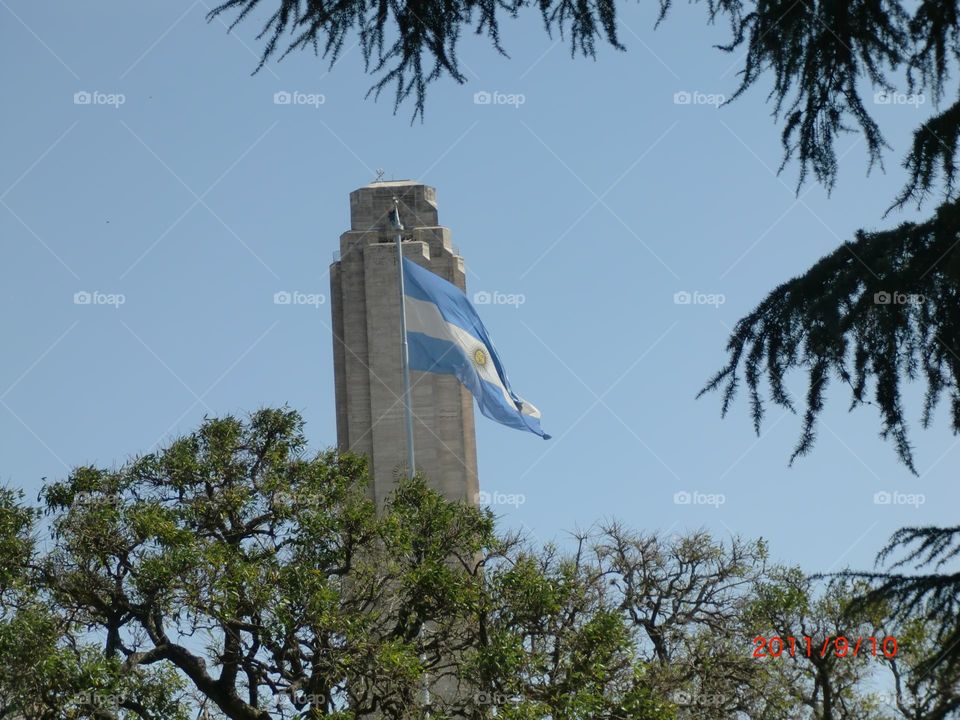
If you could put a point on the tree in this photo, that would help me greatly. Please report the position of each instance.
(921, 691)
(926, 605)
(44, 672)
(233, 574)
(683, 598)
(235, 567)
(815, 644)
(552, 642)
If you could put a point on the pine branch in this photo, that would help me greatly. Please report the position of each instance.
(876, 312)
(413, 43)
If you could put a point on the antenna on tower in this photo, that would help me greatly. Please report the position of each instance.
(380, 172)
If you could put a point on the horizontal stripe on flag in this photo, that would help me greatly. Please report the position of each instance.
(425, 318)
(440, 355)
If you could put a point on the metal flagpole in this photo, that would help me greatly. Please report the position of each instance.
(407, 399)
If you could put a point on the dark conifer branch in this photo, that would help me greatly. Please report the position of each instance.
(875, 313)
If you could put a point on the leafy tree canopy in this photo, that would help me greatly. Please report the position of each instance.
(233, 574)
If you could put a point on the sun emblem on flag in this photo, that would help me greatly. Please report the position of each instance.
(480, 356)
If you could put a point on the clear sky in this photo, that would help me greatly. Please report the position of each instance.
(595, 200)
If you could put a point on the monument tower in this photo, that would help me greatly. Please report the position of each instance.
(365, 303)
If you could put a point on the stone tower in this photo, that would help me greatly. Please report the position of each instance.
(367, 346)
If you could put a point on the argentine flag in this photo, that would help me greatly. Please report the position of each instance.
(445, 335)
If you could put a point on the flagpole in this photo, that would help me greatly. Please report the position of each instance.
(407, 399)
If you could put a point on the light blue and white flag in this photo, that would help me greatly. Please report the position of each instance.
(445, 335)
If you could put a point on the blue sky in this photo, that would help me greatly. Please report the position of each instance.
(596, 200)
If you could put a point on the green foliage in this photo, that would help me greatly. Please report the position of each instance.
(16, 543)
(257, 574)
(922, 690)
(826, 685)
(552, 643)
(234, 575)
(49, 673)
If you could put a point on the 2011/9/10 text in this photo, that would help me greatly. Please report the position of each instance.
(840, 646)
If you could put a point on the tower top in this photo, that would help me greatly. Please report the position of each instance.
(370, 205)
(392, 183)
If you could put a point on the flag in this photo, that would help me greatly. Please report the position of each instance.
(445, 335)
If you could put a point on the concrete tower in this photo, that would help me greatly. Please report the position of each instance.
(367, 346)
